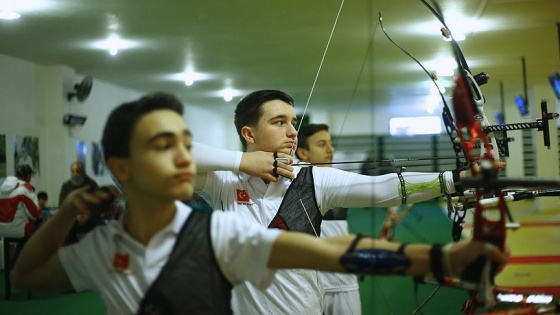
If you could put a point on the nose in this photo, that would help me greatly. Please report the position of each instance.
(184, 156)
(292, 131)
(330, 147)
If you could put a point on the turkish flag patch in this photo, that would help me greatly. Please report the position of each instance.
(121, 262)
(242, 196)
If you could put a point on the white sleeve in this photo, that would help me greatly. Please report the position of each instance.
(337, 188)
(74, 259)
(209, 159)
(242, 248)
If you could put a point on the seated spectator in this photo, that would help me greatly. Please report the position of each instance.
(19, 207)
(43, 197)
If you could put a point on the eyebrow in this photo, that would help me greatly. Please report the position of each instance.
(281, 117)
(168, 134)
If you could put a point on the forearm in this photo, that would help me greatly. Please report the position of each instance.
(344, 189)
(209, 159)
(325, 253)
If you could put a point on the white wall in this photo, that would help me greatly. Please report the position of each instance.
(34, 101)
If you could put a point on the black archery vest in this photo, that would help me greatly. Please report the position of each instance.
(191, 281)
(336, 214)
(292, 214)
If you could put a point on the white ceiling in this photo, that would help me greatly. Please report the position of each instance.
(250, 45)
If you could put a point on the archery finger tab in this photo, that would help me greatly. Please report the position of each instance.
(275, 155)
(275, 171)
(282, 160)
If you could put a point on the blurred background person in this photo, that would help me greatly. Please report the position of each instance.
(78, 179)
(342, 292)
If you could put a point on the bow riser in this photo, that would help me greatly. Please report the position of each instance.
(483, 229)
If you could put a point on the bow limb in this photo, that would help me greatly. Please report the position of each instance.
(467, 114)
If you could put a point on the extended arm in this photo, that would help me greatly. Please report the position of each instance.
(299, 250)
(337, 188)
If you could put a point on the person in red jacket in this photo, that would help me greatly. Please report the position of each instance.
(19, 207)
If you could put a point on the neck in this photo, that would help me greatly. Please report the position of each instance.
(145, 216)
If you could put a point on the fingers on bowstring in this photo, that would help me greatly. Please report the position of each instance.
(494, 253)
(281, 166)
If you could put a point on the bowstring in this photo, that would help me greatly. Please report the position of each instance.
(320, 67)
(301, 123)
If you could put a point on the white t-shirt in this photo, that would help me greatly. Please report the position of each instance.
(242, 250)
(336, 281)
(299, 291)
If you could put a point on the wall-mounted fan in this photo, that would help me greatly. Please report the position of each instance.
(81, 90)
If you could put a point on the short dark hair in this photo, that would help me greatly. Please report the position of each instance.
(306, 131)
(248, 110)
(23, 170)
(118, 128)
(42, 195)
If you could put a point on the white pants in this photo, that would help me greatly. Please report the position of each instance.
(343, 303)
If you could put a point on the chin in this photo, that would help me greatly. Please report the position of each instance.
(286, 151)
(182, 193)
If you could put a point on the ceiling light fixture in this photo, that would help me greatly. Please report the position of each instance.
(113, 44)
(228, 94)
(190, 76)
(8, 15)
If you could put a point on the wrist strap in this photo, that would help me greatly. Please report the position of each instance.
(436, 260)
(459, 189)
(401, 249)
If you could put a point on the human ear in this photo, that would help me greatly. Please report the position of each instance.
(247, 134)
(301, 153)
(119, 168)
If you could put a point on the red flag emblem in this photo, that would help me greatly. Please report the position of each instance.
(242, 196)
(121, 262)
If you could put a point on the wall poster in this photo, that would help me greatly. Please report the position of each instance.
(97, 161)
(26, 151)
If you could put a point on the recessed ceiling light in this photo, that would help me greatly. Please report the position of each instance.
(8, 15)
(228, 94)
(114, 44)
(189, 77)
